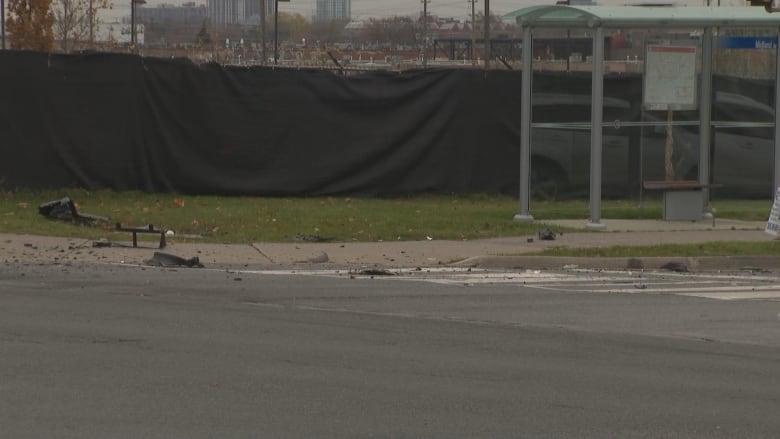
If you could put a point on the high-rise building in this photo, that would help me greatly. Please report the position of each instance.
(334, 10)
(222, 12)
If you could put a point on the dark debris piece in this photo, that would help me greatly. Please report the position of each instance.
(547, 235)
(65, 209)
(161, 259)
(313, 238)
(678, 267)
(375, 272)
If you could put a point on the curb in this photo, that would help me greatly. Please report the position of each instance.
(703, 263)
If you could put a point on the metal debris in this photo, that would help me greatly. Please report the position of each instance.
(168, 260)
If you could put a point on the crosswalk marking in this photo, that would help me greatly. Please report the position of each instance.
(704, 285)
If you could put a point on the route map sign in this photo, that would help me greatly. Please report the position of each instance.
(773, 225)
(670, 77)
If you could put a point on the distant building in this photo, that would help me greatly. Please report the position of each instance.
(224, 12)
(333, 10)
(169, 14)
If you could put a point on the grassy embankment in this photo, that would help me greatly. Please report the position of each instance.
(255, 219)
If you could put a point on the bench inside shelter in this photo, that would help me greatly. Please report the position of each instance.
(683, 200)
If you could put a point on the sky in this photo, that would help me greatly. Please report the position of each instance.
(457, 8)
(362, 9)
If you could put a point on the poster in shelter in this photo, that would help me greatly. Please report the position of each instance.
(670, 77)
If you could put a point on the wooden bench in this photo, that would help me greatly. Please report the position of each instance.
(683, 200)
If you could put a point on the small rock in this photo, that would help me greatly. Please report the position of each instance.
(320, 258)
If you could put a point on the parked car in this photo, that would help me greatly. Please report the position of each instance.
(742, 151)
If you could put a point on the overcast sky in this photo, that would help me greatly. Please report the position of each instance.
(443, 8)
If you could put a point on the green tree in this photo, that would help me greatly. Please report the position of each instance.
(30, 25)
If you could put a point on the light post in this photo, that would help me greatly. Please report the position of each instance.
(133, 33)
(276, 32)
(2, 21)
(276, 29)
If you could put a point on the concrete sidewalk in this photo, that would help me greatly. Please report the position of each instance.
(504, 253)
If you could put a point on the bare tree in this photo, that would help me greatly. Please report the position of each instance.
(393, 31)
(77, 21)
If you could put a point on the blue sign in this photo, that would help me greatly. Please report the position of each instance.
(747, 43)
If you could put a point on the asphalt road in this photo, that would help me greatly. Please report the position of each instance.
(95, 351)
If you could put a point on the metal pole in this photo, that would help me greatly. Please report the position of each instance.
(597, 109)
(262, 30)
(425, 33)
(487, 34)
(2, 21)
(91, 24)
(132, 24)
(525, 127)
(276, 32)
(705, 114)
(473, 32)
(776, 182)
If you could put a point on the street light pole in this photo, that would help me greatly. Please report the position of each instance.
(132, 24)
(276, 32)
(487, 34)
(133, 33)
(2, 21)
(263, 12)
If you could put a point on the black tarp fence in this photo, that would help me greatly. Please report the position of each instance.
(123, 122)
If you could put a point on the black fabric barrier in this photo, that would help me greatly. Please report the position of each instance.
(125, 122)
(168, 125)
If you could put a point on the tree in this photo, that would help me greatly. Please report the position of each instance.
(292, 27)
(203, 38)
(30, 25)
(76, 20)
(327, 31)
(393, 31)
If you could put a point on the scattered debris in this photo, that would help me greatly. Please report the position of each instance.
(145, 229)
(313, 238)
(675, 266)
(65, 209)
(374, 272)
(547, 235)
(640, 286)
(168, 260)
(635, 264)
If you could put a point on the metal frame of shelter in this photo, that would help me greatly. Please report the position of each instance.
(598, 18)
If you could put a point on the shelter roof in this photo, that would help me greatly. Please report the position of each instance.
(668, 17)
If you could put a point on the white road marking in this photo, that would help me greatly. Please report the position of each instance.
(710, 286)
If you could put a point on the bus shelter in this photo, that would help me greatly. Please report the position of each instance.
(596, 20)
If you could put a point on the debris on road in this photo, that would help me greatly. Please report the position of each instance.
(374, 272)
(547, 235)
(161, 259)
(678, 267)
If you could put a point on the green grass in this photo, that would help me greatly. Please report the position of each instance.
(255, 219)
